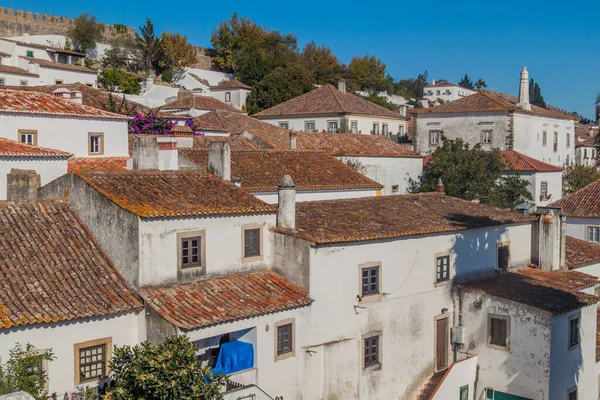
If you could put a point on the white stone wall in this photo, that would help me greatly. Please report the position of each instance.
(585, 155)
(48, 169)
(463, 373)
(238, 97)
(441, 92)
(313, 195)
(577, 227)
(535, 179)
(15, 79)
(125, 329)
(224, 245)
(68, 133)
(390, 171)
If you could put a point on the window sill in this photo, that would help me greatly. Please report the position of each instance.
(574, 347)
(442, 283)
(283, 356)
(371, 369)
(495, 347)
(252, 258)
(370, 298)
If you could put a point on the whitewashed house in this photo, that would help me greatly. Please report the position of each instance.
(60, 292)
(585, 144)
(583, 256)
(497, 120)
(40, 64)
(327, 109)
(445, 91)
(64, 124)
(194, 105)
(232, 92)
(545, 180)
(582, 209)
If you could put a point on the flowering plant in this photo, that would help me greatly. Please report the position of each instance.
(149, 124)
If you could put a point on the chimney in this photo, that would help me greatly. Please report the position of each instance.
(168, 156)
(551, 238)
(440, 186)
(524, 90)
(145, 152)
(182, 94)
(342, 85)
(286, 211)
(433, 82)
(25, 37)
(22, 184)
(219, 160)
(293, 136)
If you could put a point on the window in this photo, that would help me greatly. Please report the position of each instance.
(227, 97)
(375, 129)
(2, 82)
(91, 360)
(401, 130)
(464, 392)
(58, 81)
(434, 138)
(585, 154)
(353, 126)
(190, 252)
(544, 138)
(395, 188)
(332, 127)
(309, 126)
(572, 394)
(284, 125)
(384, 129)
(252, 239)
(370, 280)
(486, 137)
(442, 268)
(593, 234)
(568, 140)
(503, 256)
(498, 332)
(437, 92)
(28, 137)
(573, 332)
(29, 53)
(543, 190)
(95, 143)
(284, 339)
(555, 142)
(24, 83)
(370, 351)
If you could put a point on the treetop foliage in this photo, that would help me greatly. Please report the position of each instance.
(85, 32)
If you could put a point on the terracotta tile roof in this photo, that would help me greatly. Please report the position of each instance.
(328, 100)
(50, 64)
(9, 69)
(203, 142)
(224, 299)
(446, 83)
(97, 164)
(52, 269)
(31, 102)
(262, 170)
(338, 144)
(10, 148)
(233, 84)
(44, 47)
(488, 101)
(515, 161)
(3, 54)
(234, 122)
(583, 137)
(580, 252)
(557, 292)
(156, 194)
(371, 218)
(584, 203)
(198, 103)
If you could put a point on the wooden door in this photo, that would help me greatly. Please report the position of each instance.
(441, 344)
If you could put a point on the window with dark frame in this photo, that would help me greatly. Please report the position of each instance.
(434, 137)
(24, 83)
(498, 331)
(371, 351)
(252, 242)
(92, 362)
(190, 252)
(443, 269)
(2, 81)
(573, 394)
(284, 125)
(227, 96)
(27, 137)
(594, 234)
(486, 137)
(284, 339)
(544, 190)
(544, 138)
(395, 188)
(573, 332)
(95, 144)
(555, 149)
(370, 280)
(503, 255)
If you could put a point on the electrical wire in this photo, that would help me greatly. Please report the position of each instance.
(386, 294)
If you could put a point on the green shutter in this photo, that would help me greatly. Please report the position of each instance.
(464, 392)
(492, 394)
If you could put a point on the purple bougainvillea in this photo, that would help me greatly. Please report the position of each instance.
(151, 124)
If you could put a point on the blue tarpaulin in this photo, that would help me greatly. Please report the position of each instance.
(234, 356)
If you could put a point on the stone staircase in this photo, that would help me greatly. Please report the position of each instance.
(430, 386)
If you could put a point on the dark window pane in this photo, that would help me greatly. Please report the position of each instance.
(371, 351)
(284, 339)
(370, 280)
(251, 242)
(190, 252)
(92, 362)
(443, 271)
(498, 332)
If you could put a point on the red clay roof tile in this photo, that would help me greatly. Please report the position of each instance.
(515, 161)
(199, 103)
(584, 203)
(580, 252)
(49, 64)
(97, 164)
(10, 148)
(233, 84)
(233, 122)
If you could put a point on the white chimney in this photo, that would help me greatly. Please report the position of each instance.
(524, 90)
(76, 97)
(342, 85)
(293, 136)
(168, 156)
(219, 160)
(145, 152)
(551, 238)
(25, 38)
(433, 82)
(286, 211)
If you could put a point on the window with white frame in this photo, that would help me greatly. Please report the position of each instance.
(544, 138)
(434, 137)
(593, 234)
(227, 97)
(376, 128)
(543, 190)
(568, 140)
(401, 130)
(309, 126)
(486, 137)
(384, 129)
(28, 137)
(284, 125)
(332, 126)
(353, 126)
(96, 143)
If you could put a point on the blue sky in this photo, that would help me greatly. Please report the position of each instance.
(558, 41)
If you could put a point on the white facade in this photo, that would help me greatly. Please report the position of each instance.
(552, 181)
(394, 173)
(446, 92)
(69, 133)
(585, 155)
(49, 168)
(315, 195)
(123, 329)
(235, 97)
(578, 227)
(15, 79)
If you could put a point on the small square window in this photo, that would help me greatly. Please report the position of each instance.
(191, 252)
(252, 242)
(284, 125)
(395, 188)
(284, 339)
(370, 280)
(442, 268)
(24, 83)
(227, 97)
(593, 234)
(498, 332)
(95, 143)
(486, 137)
(28, 137)
(29, 53)
(573, 332)
(503, 256)
(58, 81)
(370, 351)
(2, 82)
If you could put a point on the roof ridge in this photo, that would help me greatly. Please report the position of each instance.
(331, 89)
(485, 93)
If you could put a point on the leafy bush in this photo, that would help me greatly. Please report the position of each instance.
(23, 372)
(118, 79)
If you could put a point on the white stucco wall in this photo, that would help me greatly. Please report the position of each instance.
(441, 92)
(68, 133)
(49, 76)
(461, 374)
(238, 96)
(158, 245)
(314, 195)
(404, 316)
(577, 227)
(590, 269)
(48, 169)
(390, 171)
(124, 329)
(585, 155)
(535, 179)
(15, 79)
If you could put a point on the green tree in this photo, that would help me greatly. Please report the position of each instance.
(149, 46)
(380, 101)
(165, 371)
(119, 79)
(177, 54)
(576, 177)
(510, 191)
(85, 32)
(23, 371)
(280, 85)
(535, 94)
(367, 73)
(466, 82)
(480, 84)
(323, 64)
